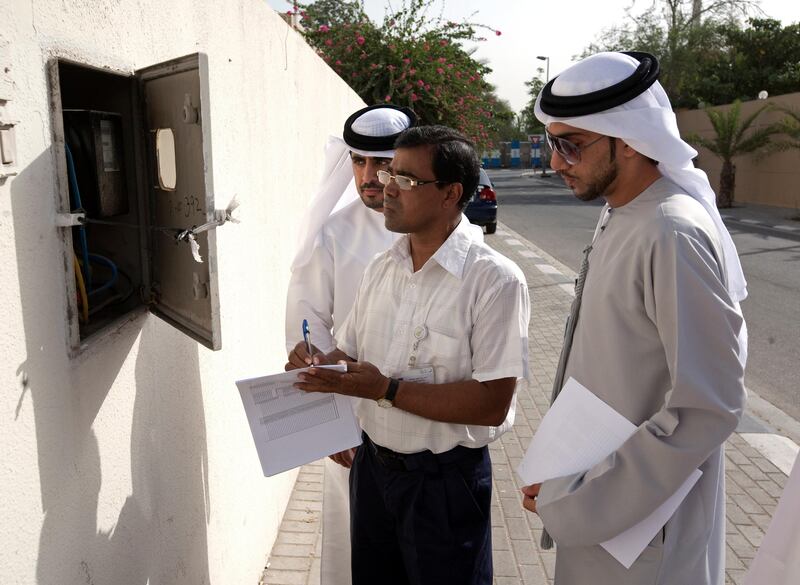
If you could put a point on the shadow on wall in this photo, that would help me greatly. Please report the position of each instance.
(160, 534)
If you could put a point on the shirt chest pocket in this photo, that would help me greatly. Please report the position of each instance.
(447, 349)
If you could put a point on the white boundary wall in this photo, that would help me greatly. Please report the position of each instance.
(133, 463)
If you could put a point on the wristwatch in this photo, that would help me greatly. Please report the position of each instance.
(388, 399)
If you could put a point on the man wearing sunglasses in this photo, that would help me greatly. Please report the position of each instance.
(435, 346)
(343, 231)
(656, 331)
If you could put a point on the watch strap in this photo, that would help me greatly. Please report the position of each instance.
(391, 391)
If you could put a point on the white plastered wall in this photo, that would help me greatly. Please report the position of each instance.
(133, 463)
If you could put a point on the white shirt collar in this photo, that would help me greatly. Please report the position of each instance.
(451, 255)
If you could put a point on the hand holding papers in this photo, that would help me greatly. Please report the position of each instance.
(579, 431)
(291, 427)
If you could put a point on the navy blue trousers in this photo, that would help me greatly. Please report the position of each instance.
(421, 519)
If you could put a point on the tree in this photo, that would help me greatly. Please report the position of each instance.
(529, 123)
(684, 34)
(762, 56)
(411, 60)
(733, 138)
(789, 127)
(506, 124)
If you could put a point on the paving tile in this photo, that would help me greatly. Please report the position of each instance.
(525, 552)
(533, 575)
(281, 563)
(273, 577)
(518, 528)
(504, 564)
(747, 504)
(286, 537)
(292, 550)
(754, 534)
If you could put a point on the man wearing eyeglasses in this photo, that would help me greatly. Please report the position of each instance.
(656, 331)
(343, 231)
(435, 346)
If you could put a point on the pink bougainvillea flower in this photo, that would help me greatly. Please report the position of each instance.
(338, 62)
(361, 40)
(391, 67)
(498, 33)
(439, 70)
(329, 42)
(414, 97)
(442, 60)
(387, 98)
(420, 83)
(412, 71)
(406, 60)
(323, 28)
(443, 43)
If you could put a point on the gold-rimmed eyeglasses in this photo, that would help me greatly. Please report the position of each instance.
(403, 183)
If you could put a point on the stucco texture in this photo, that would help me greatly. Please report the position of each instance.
(132, 462)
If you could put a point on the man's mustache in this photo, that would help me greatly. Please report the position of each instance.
(372, 186)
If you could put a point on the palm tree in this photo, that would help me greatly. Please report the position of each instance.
(733, 139)
(789, 127)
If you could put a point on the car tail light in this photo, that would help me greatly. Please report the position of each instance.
(487, 194)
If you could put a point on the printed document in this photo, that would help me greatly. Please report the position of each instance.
(578, 432)
(291, 427)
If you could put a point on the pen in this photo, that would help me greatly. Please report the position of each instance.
(307, 336)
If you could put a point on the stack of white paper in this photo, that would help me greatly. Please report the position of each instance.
(291, 427)
(578, 432)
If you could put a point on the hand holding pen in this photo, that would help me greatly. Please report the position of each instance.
(302, 354)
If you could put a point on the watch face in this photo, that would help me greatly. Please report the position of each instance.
(383, 403)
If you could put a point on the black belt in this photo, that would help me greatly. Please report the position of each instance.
(424, 460)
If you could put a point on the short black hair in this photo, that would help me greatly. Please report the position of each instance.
(454, 156)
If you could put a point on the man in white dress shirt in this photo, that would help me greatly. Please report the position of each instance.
(343, 231)
(436, 343)
(659, 335)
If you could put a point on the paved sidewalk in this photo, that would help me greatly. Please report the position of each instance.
(754, 483)
(783, 220)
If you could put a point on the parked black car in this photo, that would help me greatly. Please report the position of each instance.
(482, 208)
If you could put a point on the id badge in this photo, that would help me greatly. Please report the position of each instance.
(423, 374)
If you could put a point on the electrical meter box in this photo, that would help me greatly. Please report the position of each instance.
(133, 155)
(95, 140)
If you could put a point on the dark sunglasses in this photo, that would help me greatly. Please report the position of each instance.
(569, 152)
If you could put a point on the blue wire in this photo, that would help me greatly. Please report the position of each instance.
(77, 206)
(114, 273)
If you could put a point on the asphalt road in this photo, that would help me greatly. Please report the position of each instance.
(545, 212)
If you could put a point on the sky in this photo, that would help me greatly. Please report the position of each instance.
(531, 28)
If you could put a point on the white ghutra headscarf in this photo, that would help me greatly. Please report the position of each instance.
(616, 94)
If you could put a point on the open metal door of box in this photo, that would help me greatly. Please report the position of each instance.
(175, 98)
